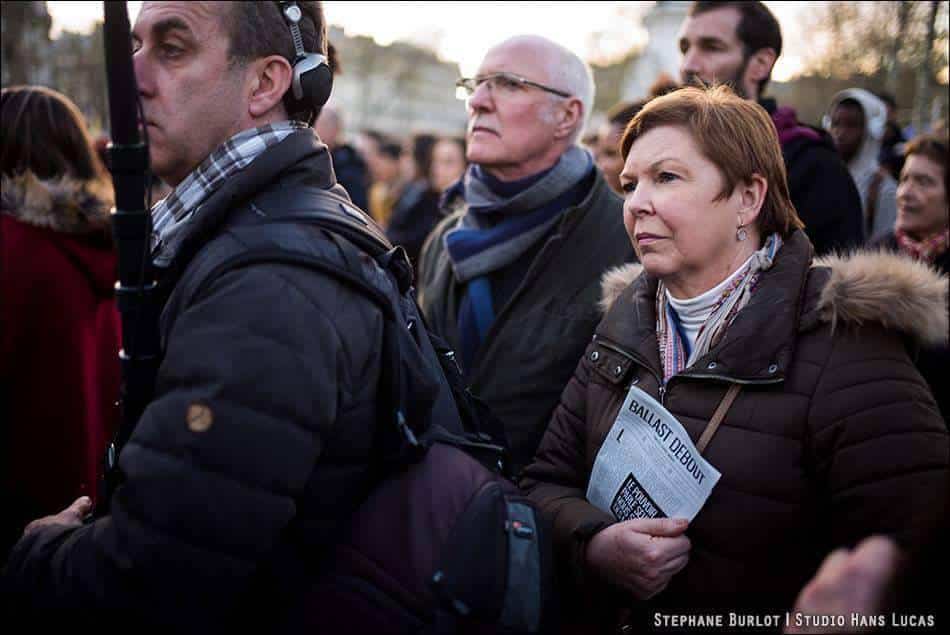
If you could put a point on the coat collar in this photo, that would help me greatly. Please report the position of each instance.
(794, 296)
(757, 346)
(301, 158)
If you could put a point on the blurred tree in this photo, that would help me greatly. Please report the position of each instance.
(78, 70)
(925, 72)
(24, 34)
(897, 46)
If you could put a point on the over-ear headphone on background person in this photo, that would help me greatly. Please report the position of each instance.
(313, 79)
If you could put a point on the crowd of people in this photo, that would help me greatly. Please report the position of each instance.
(775, 290)
(398, 182)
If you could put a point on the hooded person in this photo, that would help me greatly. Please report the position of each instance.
(59, 328)
(856, 120)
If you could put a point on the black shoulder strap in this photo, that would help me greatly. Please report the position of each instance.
(274, 255)
(352, 232)
(327, 210)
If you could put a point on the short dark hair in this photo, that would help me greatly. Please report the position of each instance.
(851, 102)
(259, 29)
(385, 145)
(43, 132)
(758, 29)
(621, 113)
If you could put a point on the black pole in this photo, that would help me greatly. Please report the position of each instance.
(131, 227)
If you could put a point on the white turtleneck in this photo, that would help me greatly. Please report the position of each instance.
(693, 312)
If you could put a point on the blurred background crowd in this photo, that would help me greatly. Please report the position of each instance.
(396, 129)
(862, 84)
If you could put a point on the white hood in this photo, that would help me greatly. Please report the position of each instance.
(864, 162)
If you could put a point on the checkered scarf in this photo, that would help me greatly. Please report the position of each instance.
(672, 348)
(172, 216)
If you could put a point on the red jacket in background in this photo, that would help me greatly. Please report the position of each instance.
(59, 343)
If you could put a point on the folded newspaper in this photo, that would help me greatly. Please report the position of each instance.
(648, 467)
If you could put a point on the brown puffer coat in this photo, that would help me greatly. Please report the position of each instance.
(834, 435)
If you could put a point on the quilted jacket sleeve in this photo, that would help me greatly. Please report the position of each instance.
(254, 378)
(878, 444)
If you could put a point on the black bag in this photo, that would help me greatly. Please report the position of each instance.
(446, 543)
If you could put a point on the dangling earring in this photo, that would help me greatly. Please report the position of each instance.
(741, 233)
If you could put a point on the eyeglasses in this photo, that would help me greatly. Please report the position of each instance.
(501, 84)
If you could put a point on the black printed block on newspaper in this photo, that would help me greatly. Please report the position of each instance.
(632, 501)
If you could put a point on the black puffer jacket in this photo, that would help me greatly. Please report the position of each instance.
(256, 446)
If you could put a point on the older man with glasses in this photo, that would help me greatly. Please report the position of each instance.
(511, 277)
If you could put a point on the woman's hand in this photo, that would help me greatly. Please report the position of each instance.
(640, 555)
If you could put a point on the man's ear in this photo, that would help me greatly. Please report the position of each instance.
(269, 78)
(569, 115)
(760, 64)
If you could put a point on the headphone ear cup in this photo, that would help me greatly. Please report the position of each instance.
(317, 83)
(313, 81)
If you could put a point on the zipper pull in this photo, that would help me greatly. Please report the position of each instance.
(662, 393)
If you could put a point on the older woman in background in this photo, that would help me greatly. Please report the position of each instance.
(59, 328)
(922, 232)
(827, 432)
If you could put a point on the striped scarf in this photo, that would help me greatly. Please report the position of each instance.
(171, 217)
(674, 354)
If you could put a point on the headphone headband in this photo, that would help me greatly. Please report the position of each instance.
(313, 80)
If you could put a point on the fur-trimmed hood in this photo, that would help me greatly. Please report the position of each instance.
(863, 287)
(65, 204)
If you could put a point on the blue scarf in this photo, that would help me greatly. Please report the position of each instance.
(503, 221)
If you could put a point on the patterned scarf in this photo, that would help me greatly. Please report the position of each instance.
(497, 230)
(926, 250)
(674, 353)
(171, 216)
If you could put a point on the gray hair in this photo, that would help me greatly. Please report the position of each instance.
(571, 73)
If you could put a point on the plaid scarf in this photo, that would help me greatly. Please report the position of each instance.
(675, 355)
(926, 250)
(172, 216)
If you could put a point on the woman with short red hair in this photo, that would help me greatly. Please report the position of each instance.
(730, 354)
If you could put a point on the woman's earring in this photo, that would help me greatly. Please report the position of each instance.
(741, 233)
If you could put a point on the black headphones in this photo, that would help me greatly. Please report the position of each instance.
(313, 79)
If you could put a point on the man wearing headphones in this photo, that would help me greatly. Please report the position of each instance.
(256, 446)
